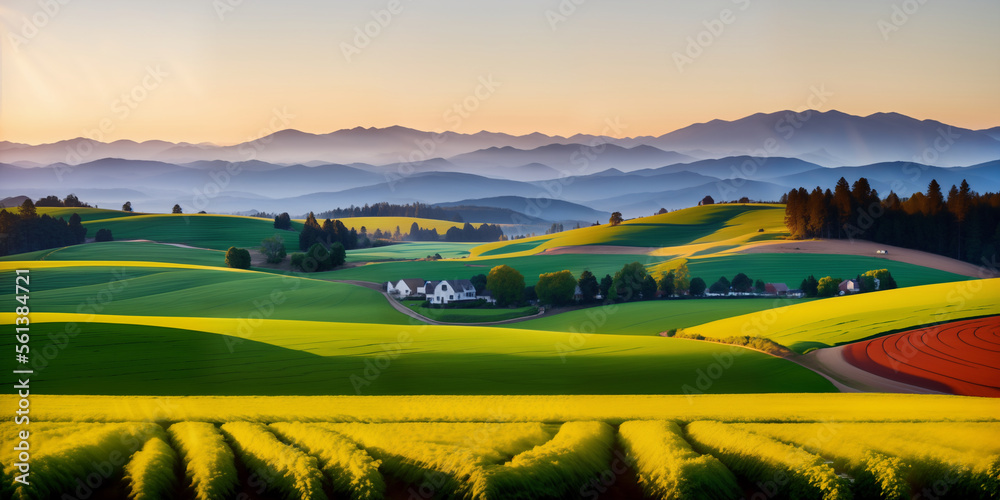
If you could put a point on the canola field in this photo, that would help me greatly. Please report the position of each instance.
(672, 455)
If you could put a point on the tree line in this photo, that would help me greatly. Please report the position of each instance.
(385, 209)
(963, 224)
(26, 231)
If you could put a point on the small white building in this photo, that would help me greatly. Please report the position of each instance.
(443, 292)
(849, 287)
(405, 288)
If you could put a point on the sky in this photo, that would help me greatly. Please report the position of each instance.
(225, 71)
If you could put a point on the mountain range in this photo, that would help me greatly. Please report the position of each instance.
(499, 177)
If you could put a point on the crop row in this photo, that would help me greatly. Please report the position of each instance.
(703, 459)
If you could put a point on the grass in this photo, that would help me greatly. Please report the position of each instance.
(840, 320)
(217, 232)
(410, 250)
(485, 315)
(86, 214)
(179, 356)
(219, 293)
(791, 269)
(763, 408)
(529, 266)
(647, 318)
(129, 251)
(715, 223)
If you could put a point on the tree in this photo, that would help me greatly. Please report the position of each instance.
(506, 284)
(682, 279)
(809, 286)
(744, 200)
(666, 284)
(648, 288)
(320, 258)
(589, 287)
(479, 281)
(529, 294)
(697, 287)
(616, 218)
(934, 202)
(238, 258)
(742, 283)
(661, 211)
(884, 277)
(103, 234)
(76, 228)
(720, 287)
(817, 213)
(283, 221)
(828, 287)
(72, 201)
(606, 283)
(28, 210)
(49, 201)
(759, 286)
(707, 200)
(127, 207)
(273, 249)
(626, 285)
(177, 209)
(555, 288)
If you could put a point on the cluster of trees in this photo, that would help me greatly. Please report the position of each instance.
(390, 210)
(53, 201)
(319, 258)
(332, 231)
(870, 281)
(964, 224)
(741, 283)
(485, 232)
(283, 221)
(26, 231)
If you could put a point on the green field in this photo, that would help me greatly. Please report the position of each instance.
(791, 269)
(146, 291)
(841, 320)
(218, 232)
(530, 267)
(86, 214)
(306, 358)
(650, 317)
(410, 250)
(693, 225)
(485, 315)
(127, 251)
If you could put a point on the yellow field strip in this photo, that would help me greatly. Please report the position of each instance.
(847, 407)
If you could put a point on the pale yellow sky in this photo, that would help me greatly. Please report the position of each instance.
(185, 71)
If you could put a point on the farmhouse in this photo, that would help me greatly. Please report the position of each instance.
(776, 289)
(849, 286)
(405, 288)
(443, 292)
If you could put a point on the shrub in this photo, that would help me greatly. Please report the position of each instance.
(238, 258)
(103, 235)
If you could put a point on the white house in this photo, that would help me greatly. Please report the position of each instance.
(443, 292)
(406, 288)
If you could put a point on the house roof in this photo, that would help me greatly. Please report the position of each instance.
(778, 287)
(461, 285)
(412, 283)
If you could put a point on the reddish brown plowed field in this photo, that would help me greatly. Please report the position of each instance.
(962, 357)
